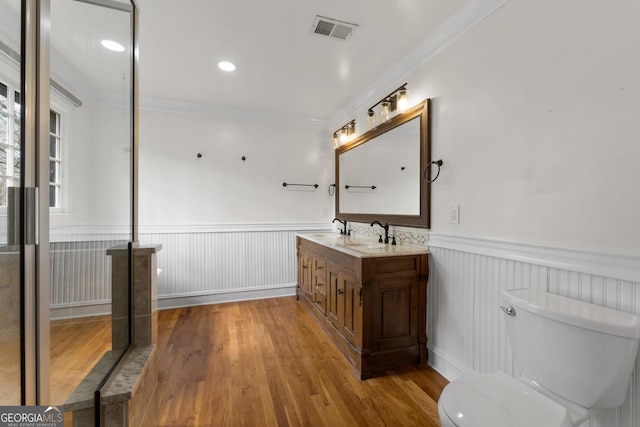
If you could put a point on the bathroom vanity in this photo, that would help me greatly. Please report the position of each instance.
(369, 297)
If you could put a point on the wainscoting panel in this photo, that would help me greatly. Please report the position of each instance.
(81, 276)
(465, 325)
(226, 264)
(197, 264)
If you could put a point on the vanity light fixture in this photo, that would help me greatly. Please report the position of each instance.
(396, 101)
(345, 134)
(227, 66)
(111, 45)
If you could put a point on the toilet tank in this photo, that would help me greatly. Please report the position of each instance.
(582, 352)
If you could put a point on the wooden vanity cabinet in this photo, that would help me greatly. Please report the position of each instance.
(373, 308)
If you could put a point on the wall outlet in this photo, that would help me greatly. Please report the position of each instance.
(454, 214)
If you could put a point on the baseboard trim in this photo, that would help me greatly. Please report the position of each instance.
(445, 366)
(69, 311)
(216, 297)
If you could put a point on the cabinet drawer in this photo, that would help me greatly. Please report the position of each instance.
(320, 302)
(319, 267)
(320, 285)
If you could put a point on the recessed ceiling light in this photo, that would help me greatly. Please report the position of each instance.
(227, 66)
(111, 45)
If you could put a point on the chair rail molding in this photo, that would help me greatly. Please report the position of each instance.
(621, 266)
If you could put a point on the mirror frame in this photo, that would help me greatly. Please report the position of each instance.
(422, 220)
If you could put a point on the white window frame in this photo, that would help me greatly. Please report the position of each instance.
(61, 108)
(7, 71)
(12, 88)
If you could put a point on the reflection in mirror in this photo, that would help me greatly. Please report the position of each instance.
(391, 158)
(10, 168)
(389, 163)
(90, 195)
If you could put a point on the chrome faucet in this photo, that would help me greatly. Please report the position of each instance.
(386, 230)
(345, 232)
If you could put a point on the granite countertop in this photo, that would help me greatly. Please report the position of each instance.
(361, 247)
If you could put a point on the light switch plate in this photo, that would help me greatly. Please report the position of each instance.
(454, 214)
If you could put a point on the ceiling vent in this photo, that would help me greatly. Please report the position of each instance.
(328, 27)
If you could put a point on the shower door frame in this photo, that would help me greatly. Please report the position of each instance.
(34, 227)
(34, 203)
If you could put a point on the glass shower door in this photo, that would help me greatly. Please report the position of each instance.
(66, 198)
(90, 195)
(11, 368)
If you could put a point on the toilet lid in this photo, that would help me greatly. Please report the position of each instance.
(498, 400)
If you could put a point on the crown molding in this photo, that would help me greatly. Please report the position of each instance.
(469, 16)
(203, 109)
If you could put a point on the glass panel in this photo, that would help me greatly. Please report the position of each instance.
(10, 249)
(3, 196)
(89, 271)
(3, 98)
(17, 164)
(53, 146)
(52, 195)
(52, 171)
(53, 122)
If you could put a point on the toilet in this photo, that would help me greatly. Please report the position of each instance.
(574, 357)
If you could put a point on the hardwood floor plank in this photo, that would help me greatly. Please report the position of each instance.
(268, 363)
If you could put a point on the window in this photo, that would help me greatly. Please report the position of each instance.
(10, 162)
(55, 161)
(9, 141)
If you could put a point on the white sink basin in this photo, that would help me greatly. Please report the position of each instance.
(367, 245)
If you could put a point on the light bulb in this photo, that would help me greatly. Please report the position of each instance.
(385, 112)
(403, 101)
(371, 120)
(343, 136)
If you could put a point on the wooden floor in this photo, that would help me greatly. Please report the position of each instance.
(268, 363)
(76, 346)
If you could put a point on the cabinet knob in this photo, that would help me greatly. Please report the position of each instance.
(340, 291)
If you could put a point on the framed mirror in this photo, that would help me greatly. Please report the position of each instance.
(381, 174)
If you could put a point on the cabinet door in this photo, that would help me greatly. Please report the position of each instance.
(320, 285)
(396, 305)
(352, 318)
(335, 296)
(304, 273)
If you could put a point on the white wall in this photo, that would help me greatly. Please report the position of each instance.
(535, 114)
(96, 168)
(177, 188)
(227, 226)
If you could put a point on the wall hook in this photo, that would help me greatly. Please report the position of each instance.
(243, 158)
(199, 155)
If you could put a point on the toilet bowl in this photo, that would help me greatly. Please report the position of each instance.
(498, 400)
(559, 345)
